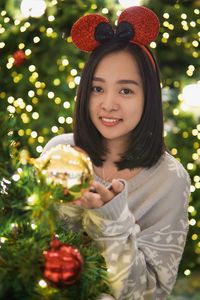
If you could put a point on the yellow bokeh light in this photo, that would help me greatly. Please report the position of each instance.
(31, 93)
(69, 39)
(69, 120)
(65, 62)
(34, 134)
(93, 6)
(51, 18)
(49, 31)
(39, 149)
(194, 237)
(28, 131)
(195, 156)
(195, 54)
(35, 115)
(36, 39)
(32, 68)
(11, 99)
(71, 85)
(61, 120)
(50, 95)
(42, 283)
(11, 109)
(187, 272)
(166, 15)
(3, 13)
(29, 108)
(183, 16)
(176, 111)
(153, 45)
(197, 185)
(166, 35)
(40, 139)
(25, 118)
(194, 132)
(66, 104)
(21, 132)
(185, 134)
(34, 100)
(28, 52)
(105, 10)
(54, 129)
(6, 20)
(56, 81)
(192, 222)
(190, 166)
(81, 65)
(73, 72)
(39, 92)
(195, 43)
(174, 151)
(57, 100)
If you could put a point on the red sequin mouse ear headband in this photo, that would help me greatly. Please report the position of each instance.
(136, 24)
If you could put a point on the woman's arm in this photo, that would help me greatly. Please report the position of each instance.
(142, 264)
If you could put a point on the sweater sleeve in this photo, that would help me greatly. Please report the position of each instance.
(142, 263)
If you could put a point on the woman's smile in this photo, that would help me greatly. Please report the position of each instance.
(110, 122)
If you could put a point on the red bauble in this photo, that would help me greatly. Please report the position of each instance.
(19, 57)
(63, 263)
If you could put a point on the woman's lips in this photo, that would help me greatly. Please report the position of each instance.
(110, 121)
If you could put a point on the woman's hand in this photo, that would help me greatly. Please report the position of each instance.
(100, 195)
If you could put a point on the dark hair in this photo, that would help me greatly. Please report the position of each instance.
(146, 145)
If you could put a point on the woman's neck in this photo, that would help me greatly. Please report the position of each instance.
(115, 148)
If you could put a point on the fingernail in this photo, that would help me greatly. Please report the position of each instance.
(77, 203)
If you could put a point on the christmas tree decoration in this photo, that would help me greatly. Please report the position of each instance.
(71, 269)
(63, 263)
(68, 166)
(19, 58)
(37, 102)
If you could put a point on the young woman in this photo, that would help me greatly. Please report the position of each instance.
(136, 210)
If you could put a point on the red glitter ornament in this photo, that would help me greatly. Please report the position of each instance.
(19, 57)
(63, 263)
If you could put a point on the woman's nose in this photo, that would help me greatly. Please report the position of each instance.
(109, 102)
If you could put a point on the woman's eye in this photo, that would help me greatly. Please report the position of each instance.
(97, 89)
(126, 91)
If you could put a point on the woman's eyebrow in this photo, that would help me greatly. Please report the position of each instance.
(121, 81)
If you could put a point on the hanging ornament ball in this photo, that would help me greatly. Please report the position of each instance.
(63, 263)
(68, 166)
(19, 57)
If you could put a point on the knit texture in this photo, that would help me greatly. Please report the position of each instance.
(142, 232)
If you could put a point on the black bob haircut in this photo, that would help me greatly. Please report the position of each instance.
(146, 143)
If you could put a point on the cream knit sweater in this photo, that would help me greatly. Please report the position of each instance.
(142, 232)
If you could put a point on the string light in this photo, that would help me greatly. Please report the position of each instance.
(33, 8)
(42, 283)
(128, 3)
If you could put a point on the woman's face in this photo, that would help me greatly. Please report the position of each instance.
(117, 98)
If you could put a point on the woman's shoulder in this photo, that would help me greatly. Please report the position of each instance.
(173, 168)
(64, 139)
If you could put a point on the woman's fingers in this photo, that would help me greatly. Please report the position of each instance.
(99, 194)
(117, 186)
(89, 200)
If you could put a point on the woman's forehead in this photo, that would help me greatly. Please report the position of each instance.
(119, 66)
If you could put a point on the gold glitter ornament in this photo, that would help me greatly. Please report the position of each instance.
(68, 166)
